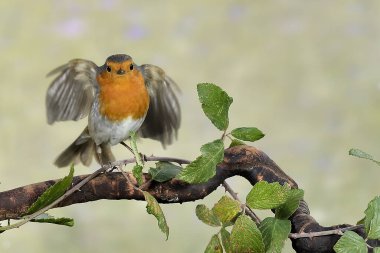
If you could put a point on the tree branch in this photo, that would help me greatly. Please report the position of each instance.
(248, 162)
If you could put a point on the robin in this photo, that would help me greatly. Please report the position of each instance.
(119, 98)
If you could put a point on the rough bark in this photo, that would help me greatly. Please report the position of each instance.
(248, 162)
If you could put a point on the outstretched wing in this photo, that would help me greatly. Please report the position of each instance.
(164, 115)
(71, 94)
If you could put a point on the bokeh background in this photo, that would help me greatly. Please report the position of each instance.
(305, 72)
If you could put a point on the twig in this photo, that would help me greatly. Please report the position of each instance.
(338, 231)
(76, 187)
(167, 159)
(151, 159)
(128, 147)
(246, 208)
(54, 203)
(229, 137)
(223, 135)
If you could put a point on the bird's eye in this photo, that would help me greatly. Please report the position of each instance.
(131, 67)
(108, 69)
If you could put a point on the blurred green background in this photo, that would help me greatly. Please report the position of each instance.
(305, 72)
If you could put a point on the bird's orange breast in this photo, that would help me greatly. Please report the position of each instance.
(122, 96)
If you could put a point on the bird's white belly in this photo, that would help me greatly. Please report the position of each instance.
(105, 131)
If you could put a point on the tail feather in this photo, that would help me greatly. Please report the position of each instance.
(82, 150)
(87, 152)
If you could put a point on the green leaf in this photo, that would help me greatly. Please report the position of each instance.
(372, 219)
(164, 171)
(52, 193)
(285, 210)
(226, 209)
(267, 196)
(351, 242)
(138, 174)
(376, 250)
(246, 237)
(204, 167)
(274, 232)
(236, 142)
(361, 222)
(46, 218)
(215, 104)
(361, 154)
(247, 133)
(207, 216)
(226, 240)
(214, 245)
(154, 208)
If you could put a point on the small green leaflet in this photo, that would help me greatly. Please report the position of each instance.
(204, 167)
(135, 151)
(361, 154)
(164, 171)
(52, 193)
(274, 232)
(152, 207)
(207, 216)
(236, 142)
(226, 240)
(46, 218)
(372, 219)
(247, 133)
(214, 245)
(137, 173)
(215, 104)
(246, 237)
(226, 209)
(285, 210)
(361, 222)
(350, 242)
(267, 196)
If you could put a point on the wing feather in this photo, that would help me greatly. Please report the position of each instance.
(164, 115)
(71, 94)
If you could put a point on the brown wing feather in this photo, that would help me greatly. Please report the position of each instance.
(164, 115)
(71, 94)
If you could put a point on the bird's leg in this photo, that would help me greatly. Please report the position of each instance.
(99, 155)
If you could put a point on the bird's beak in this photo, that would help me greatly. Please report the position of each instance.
(120, 72)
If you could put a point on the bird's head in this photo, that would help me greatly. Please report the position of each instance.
(117, 68)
